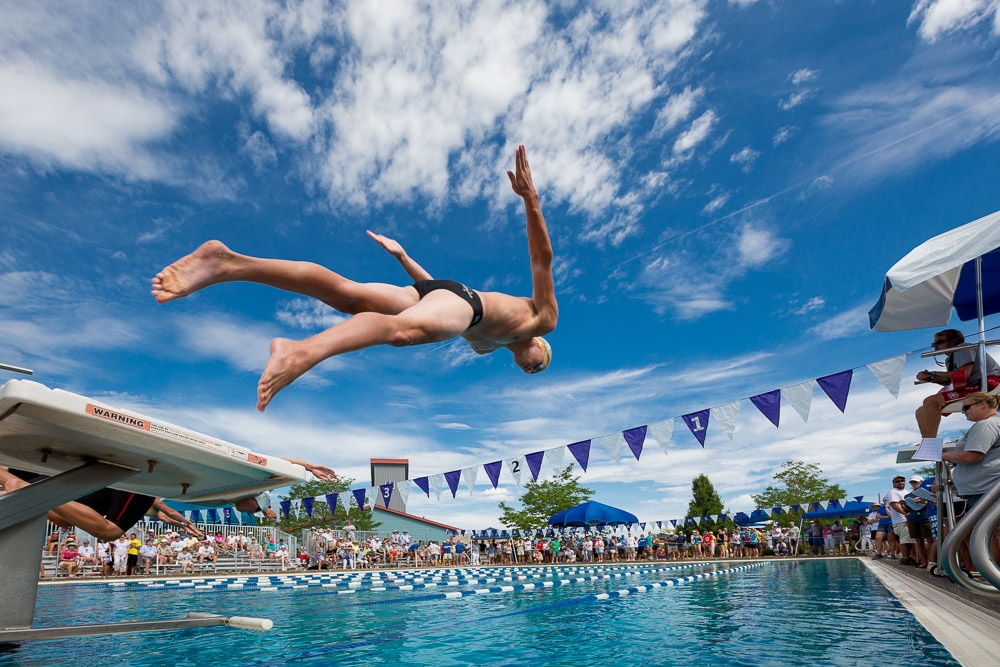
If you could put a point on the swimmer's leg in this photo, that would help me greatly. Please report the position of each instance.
(214, 263)
(69, 514)
(437, 317)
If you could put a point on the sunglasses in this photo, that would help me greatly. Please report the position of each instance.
(966, 408)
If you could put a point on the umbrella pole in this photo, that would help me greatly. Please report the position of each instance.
(982, 323)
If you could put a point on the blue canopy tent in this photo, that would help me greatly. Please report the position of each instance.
(592, 513)
(757, 516)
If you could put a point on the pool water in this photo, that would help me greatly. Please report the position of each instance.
(823, 612)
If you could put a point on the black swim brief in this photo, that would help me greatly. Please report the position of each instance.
(425, 287)
(122, 508)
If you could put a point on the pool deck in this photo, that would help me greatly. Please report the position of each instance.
(966, 624)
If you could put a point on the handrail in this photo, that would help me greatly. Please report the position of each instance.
(949, 549)
(982, 536)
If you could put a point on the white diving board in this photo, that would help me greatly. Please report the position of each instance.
(84, 445)
(50, 431)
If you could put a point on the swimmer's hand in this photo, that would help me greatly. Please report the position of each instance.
(321, 472)
(391, 246)
(520, 178)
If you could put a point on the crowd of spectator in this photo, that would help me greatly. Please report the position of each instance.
(131, 555)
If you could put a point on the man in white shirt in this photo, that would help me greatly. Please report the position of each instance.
(206, 551)
(85, 555)
(147, 554)
(897, 512)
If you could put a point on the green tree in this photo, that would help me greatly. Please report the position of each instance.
(541, 500)
(705, 501)
(801, 483)
(318, 489)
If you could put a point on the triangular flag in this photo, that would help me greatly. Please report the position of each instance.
(726, 415)
(308, 504)
(889, 372)
(634, 438)
(493, 472)
(824, 503)
(859, 498)
(661, 432)
(453, 479)
(837, 386)
(423, 485)
(385, 493)
(359, 496)
(613, 443)
(403, 490)
(470, 474)
(673, 522)
(345, 500)
(697, 422)
(436, 483)
(516, 466)
(196, 516)
(331, 501)
(555, 458)
(286, 506)
(534, 461)
(581, 452)
(800, 397)
(769, 404)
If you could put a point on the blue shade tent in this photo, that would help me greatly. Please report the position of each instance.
(592, 513)
(921, 289)
(757, 516)
(849, 510)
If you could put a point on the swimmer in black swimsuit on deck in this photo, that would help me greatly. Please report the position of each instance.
(430, 311)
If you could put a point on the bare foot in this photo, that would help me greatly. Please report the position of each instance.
(286, 364)
(192, 272)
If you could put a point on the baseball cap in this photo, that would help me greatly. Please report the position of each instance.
(917, 478)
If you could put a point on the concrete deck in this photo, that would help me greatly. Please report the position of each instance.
(968, 626)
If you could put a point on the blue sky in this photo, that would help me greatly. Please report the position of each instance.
(725, 184)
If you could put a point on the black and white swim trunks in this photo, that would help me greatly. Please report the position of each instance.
(425, 287)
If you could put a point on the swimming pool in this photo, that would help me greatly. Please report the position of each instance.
(824, 612)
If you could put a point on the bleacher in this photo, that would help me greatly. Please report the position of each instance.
(225, 562)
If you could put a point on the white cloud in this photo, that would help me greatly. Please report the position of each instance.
(813, 304)
(852, 322)
(783, 134)
(454, 426)
(716, 203)
(758, 246)
(694, 135)
(308, 314)
(794, 100)
(672, 282)
(745, 158)
(893, 127)
(677, 109)
(939, 17)
(803, 75)
(58, 120)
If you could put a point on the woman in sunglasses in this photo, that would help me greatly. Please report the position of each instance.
(977, 455)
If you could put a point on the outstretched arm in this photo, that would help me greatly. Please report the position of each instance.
(322, 472)
(543, 292)
(167, 514)
(392, 247)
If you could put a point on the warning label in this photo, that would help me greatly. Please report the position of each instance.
(120, 417)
